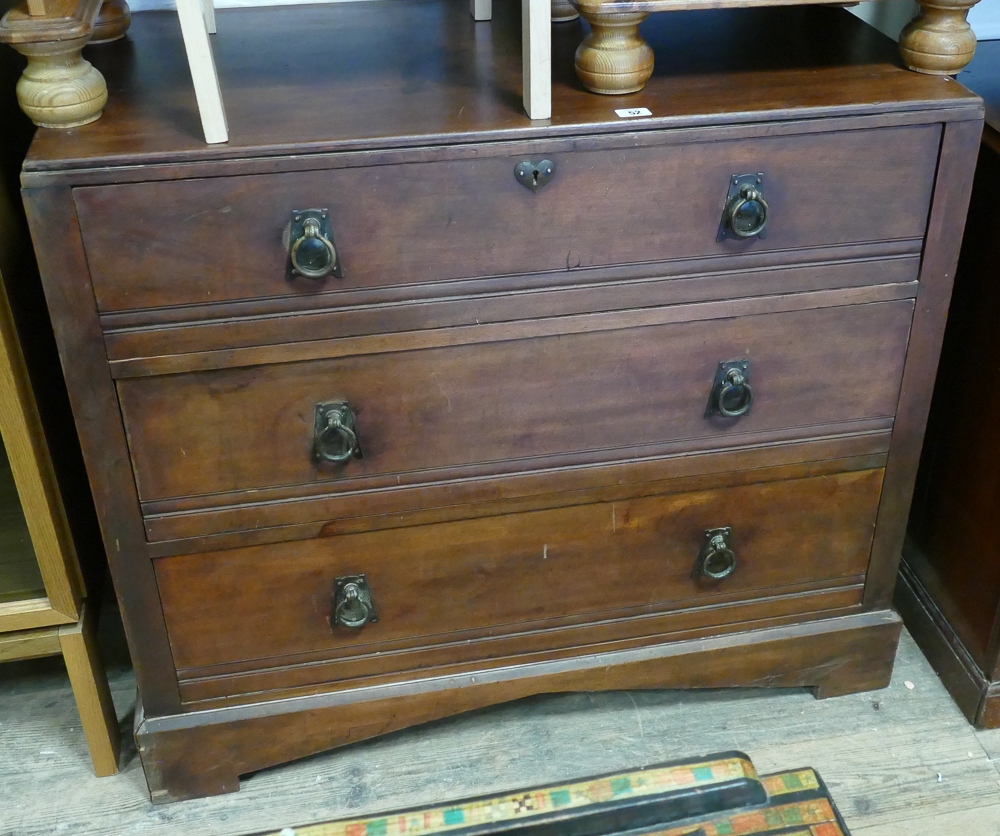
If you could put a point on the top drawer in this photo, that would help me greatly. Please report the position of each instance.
(221, 239)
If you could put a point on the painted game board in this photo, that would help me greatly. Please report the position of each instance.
(718, 795)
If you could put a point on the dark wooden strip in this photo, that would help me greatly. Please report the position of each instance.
(443, 149)
(227, 528)
(214, 687)
(102, 438)
(960, 674)
(498, 306)
(944, 237)
(539, 638)
(468, 335)
(458, 484)
(765, 448)
(956, 484)
(603, 666)
(180, 751)
(346, 297)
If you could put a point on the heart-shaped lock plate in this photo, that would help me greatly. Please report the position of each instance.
(534, 175)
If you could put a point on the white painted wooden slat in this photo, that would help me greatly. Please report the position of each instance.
(208, 10)
(536, 57)
(202, 63)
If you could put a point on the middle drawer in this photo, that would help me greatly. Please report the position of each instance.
(512, 406)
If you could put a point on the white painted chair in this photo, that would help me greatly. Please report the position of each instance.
(197, 19)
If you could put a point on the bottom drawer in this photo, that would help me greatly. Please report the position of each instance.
(497, 576)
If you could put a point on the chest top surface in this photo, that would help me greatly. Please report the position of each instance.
(383, 74)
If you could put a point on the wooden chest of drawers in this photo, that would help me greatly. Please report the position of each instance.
(519, 440)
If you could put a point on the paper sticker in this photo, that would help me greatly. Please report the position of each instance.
(632, 112)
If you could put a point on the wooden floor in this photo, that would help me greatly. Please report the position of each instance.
(900, 762)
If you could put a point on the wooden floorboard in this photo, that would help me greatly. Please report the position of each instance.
(881, 754)
(990, 741)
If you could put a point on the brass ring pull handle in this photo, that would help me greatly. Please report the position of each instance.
(313, 254)
(353, 605)
(745, 212)
(746, 215)
(735, 384)
(731, 394)
(335, 437)
(352, 611)
(716, 559)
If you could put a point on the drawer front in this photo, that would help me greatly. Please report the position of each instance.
(211, 240)
(513, 406)
(508, 574)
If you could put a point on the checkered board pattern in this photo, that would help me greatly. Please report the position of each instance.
(785, 782)
(522, 805)
(816, 818)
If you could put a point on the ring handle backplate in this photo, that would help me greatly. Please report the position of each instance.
(746, 211)
(732, 395)
(335, 435)
(352, 602)
(311, 251)
(716, 559)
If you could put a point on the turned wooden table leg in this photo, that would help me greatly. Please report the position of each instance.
(59, 89)
(112, 22)
(939, 39)
(614, 59)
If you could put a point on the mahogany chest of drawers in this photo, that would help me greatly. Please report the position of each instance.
(400, 405)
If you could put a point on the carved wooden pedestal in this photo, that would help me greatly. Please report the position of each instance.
(112, 22)
(939, 40)
(562, 11)
(614, 59)
(59, 89)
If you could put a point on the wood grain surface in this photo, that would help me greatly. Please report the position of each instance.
(451, 84)
(193, 525)
(952, 593)
(92, 396)
(860, 648)
(197, 241)
(80, 652)
(311, 674)
(432, 582)
(937, 274)
(244, 429)
(582, 406)
(952, 524)
(879, 752)
(340, 313)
